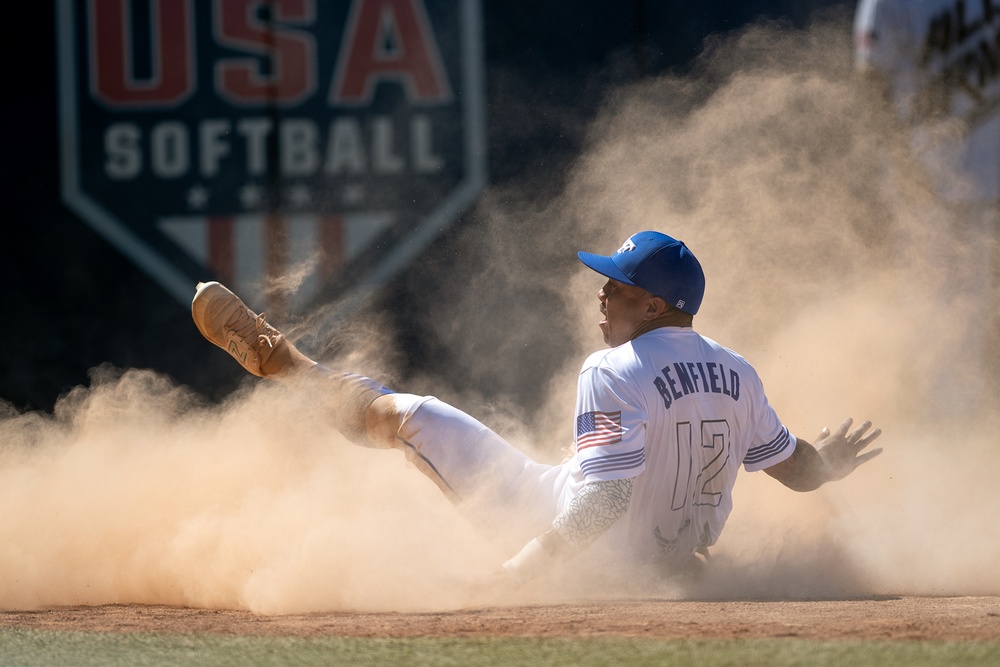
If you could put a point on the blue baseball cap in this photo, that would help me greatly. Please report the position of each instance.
(659, 264)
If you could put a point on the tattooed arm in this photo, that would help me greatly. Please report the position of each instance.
(834, 457)
(591, 512)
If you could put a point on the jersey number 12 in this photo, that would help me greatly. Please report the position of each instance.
(709, 449)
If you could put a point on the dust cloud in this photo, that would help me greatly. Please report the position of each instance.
(853, 293)
(135, 491)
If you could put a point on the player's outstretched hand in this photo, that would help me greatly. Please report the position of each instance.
(841, 451)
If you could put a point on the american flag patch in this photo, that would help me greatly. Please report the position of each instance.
(594, 429)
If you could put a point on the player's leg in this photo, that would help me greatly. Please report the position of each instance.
(262, 350)
(467, 460)
(502, 490)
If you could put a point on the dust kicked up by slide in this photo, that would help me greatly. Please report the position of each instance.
(854, 293)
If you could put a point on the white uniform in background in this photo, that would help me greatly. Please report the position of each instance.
(940, 63)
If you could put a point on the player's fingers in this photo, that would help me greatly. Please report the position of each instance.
(864, 442)
(856, 434)
(864, 458)
(842, 431)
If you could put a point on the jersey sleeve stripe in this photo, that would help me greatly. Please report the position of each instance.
(612, 462)
(767, 450)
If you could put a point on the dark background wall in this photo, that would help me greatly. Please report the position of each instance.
(71, 302)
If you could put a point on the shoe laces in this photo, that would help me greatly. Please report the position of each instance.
(249, 326)
(265, 332)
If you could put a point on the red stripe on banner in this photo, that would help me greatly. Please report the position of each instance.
(275, 257)
(332, 242)
(220, 247)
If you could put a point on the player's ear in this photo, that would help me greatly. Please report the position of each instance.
(655, 307)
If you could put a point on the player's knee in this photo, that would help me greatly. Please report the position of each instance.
(384, 417)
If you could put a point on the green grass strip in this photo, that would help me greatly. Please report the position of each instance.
(34, 648)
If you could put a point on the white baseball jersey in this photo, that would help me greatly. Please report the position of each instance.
(940, 58)
(680, 414)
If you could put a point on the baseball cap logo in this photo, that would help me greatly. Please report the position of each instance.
(628, 246)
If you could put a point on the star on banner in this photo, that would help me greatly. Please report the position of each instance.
(197, 197)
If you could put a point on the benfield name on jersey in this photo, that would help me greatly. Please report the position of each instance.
(692, 377)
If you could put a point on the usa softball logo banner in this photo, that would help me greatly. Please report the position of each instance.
(319, 141)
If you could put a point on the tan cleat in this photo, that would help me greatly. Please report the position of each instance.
(225, 320)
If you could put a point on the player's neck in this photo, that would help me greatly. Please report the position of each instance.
(674, 318)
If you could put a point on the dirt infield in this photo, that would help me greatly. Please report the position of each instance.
(887, 618)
